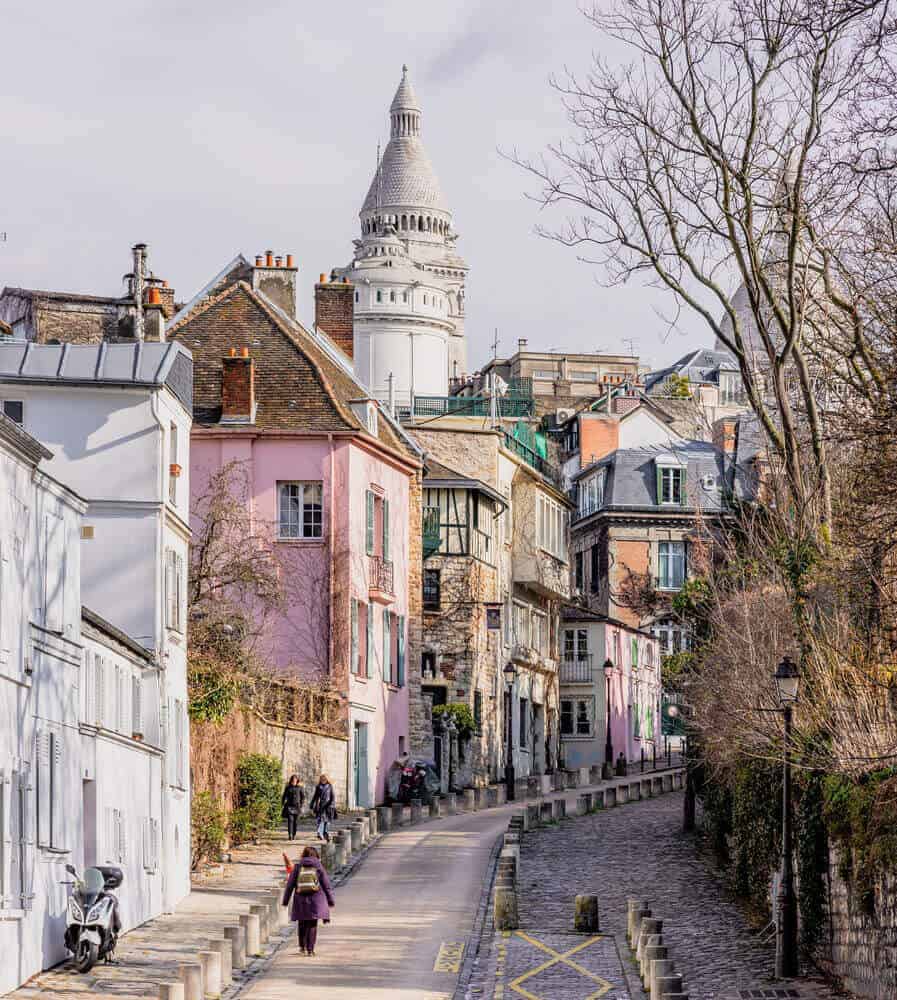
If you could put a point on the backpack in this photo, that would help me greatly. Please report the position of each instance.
(308, 881)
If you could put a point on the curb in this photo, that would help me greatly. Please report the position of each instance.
(478, 930)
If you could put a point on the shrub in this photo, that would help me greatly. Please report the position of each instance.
(259, 787)
(246, 824)
(207, 829)
(462, 716)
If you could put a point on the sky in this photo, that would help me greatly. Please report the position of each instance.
(209, 129)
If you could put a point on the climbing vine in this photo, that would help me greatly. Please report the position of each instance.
(812, 862)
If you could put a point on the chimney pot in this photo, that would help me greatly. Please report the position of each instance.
(278, 261)
(269, 258)
(322, 280)
(289, 260)
(233, 352)
(244, 352)
(259, 260)
(153, 296)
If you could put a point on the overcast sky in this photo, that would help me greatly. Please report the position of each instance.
(205, 129)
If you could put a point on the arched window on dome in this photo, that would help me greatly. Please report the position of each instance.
(420, 223)
(426, 301)
(392, 296)
(414, 222)
(379, 295)
(405, 297)
(404, 222)
(356, 296)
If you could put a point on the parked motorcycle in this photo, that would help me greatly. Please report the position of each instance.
(418, 780)
(92, 921)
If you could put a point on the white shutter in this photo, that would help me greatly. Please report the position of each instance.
(122, 839)
(44, 800)
(147, 846)
(58, 811)
(25, 815)
(109, 840)
(6, 842)
(6, 602)
(136, 703)
(179, 731)
(156, 844)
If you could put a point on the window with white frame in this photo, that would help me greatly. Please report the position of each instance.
(16, 838)
(670, 480)
(576, 644)
(51, 784)
(578, 717)
(670, 565)
(582, 376)
(521, 624)
(300, 510)
(591, 493)
(544, 373)
(671, 636)
(540, 631)
(551, 527)
(174, 590)
(173, 468)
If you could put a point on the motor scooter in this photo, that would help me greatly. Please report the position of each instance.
(91, 918)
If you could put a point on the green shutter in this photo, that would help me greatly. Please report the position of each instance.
(634, 651)
(400, 652)
(387, 666)
(659, 485)
(369, 639)
(386, 529)
(369, 523)
(682, 498)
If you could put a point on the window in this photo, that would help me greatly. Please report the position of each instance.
(354, 663)
(51, 785)
(369, 515)
(540, 631)
(379, 295)
(478, 710)
(584, 376)
(16, 839)
(432, 595)
(300, 510)
(595, 568)
(672, 637)
(365, 671)
(544, 373)
(577, 717)
(405, 297)
(633, 651)
(591, 494)
(428, 665)
(576, 644)
(426, 300)
(579, 575)
(174, 600)
(670, 565)
(15, 410)
(400, 651)
(521, 624)
(731, 389)
(524, 723)
(551, 527)
(356, 297)
(173, 461)
(392, 296)
(670, 485)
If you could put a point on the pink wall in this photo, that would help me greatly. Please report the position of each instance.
(626, 698)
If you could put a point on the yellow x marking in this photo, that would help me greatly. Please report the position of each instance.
(562, 959)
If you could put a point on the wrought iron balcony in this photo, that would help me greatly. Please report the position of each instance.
(380, 580)
(577, 669)
(532, 458)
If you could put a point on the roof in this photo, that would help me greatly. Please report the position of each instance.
(702, 365)
(5, 329)
(36, 293)
(109, 630)
(16, 437)
(300, 385)
(143, 363)
(405, 177)
(439, 476)
(576, 613)
(631, 479)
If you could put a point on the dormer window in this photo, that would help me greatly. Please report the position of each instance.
(670, 481)
(366, 411)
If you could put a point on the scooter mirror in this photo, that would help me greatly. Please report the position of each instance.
(70, 870)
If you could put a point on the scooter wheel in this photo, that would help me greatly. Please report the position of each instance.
(85, 956)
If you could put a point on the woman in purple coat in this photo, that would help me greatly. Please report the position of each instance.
(309, 906)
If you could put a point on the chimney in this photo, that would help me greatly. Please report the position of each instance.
(521, 344)
(238, 388)
(725, 434)
(335, 312)
(158, 292)
(154, 315)
(276, 282)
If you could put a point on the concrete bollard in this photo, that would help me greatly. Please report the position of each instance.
(532, 815)
(559, 809)
(341, 844)
(599, 800)
(650, 953)
(235, 935)
(648, 926)
(634, 906)
(481, 798)
(451, 803)
(583, 777)
(656, 786)
(223, 949)
(645, 784)
(571, 779)
(470, 799)
(261, 911)
(583, 804)
(211, 973)
(585, 914)
(171, 991)
(501, 794)
(249, 922)
(635, 791)
(667, 780)
(546, 812)
(666, 986)
(384, 818)
(365, 830)
(328, 856)
(191, 977)
(610, 798)
(505, 915)
(554, 782)
(595, 774)
(416, 811)
(534, 787)
(491, 796)
(658, 968)
(373, 829)
(622, 794)
(354, 832)
(435, 807)
(521, 789)
(280, 915)
(398, 815)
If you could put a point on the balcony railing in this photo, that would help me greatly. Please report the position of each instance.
(431, 533)
(533, 459)
(576, 670)
(472, 406)
(380, 580)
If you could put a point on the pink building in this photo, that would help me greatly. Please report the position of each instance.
(329, 476)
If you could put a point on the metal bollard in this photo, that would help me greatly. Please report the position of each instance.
(585, 914)
(223, 949)
(171, 991)
(191, 977)
(235, 935)
(211, 973)
(252, 932)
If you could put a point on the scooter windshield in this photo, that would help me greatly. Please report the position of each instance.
(92, 884)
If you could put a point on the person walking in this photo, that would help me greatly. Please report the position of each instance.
(322, 805)
(312, 898)
(292, 801)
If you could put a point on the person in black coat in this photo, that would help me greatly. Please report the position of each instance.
(292, 801)
(323, 805)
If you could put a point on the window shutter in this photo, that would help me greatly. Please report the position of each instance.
(400, 652)
(102, 710)
(5, 599)
(369, 639)
(659, 472)
(387, 659)
(353, 652)
(6, 840)
(58, 821)
(369, 523)
(44, 800)
(386, 529)
(682, 497)
(146, 845)
(179, 737)
(136, 704)
(179, 591)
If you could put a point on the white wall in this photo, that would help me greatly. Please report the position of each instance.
(640, 429)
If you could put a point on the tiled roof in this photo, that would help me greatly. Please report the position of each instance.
(298, 386)
(407, 178)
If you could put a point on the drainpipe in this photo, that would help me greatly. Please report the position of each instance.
(332, 562)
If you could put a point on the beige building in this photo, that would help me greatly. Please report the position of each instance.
(495, 573)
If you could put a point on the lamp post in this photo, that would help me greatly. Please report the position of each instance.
(451, 729)
(510, 673)
(608, 770)
(787, 678)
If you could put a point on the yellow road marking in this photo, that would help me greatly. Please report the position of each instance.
(449, 957)
(562, 959)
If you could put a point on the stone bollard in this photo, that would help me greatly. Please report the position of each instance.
(585, 914)
(667, 986)
(622, 794)
(645, 784)
(261, 912)
(656, 786)
(451, 803)
(481, 798)
(191, 977)
(652, 951)
(249, 923)
(532, 816)
(235, 935)
(398, 815)
(384, 818)
(571, 779)
(171, 991)
(435, 807)
(599, 800)
(554, 782)
(505, 913)
(416, 811)
(469, 800)
(341, 844)
(658, 968)
(546, 812)
(559, 809)
(223, 949)
(365, 829)
(501, 794)
(491, 796)
(583, 804)
(648, 926)
(354, 832)
(595, 774)
(211, 973)
(280, 915)
(610, 798)
(583, 777)
(521, 789)
(667, 780)
(534, 787)
(373, 827)
(634, 906)
(635, 791)
(328, 855)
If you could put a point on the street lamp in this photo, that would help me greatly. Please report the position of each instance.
(510, 673)
(608, 770)
(450, 729)
(787, 678)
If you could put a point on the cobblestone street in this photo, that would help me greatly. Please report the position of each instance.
(634, 850)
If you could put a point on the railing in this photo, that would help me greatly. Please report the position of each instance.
(472, 406)
(576, 670)
(432, 537)
(381, 576)
(533, 459)
(481, 545)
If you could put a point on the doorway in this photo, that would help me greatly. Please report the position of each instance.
(360, 758)
(90, 829)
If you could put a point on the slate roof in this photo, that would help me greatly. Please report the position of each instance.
(299, 386)
(702, 365)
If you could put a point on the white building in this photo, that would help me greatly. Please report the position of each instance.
(117, 418)
(408, 276)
